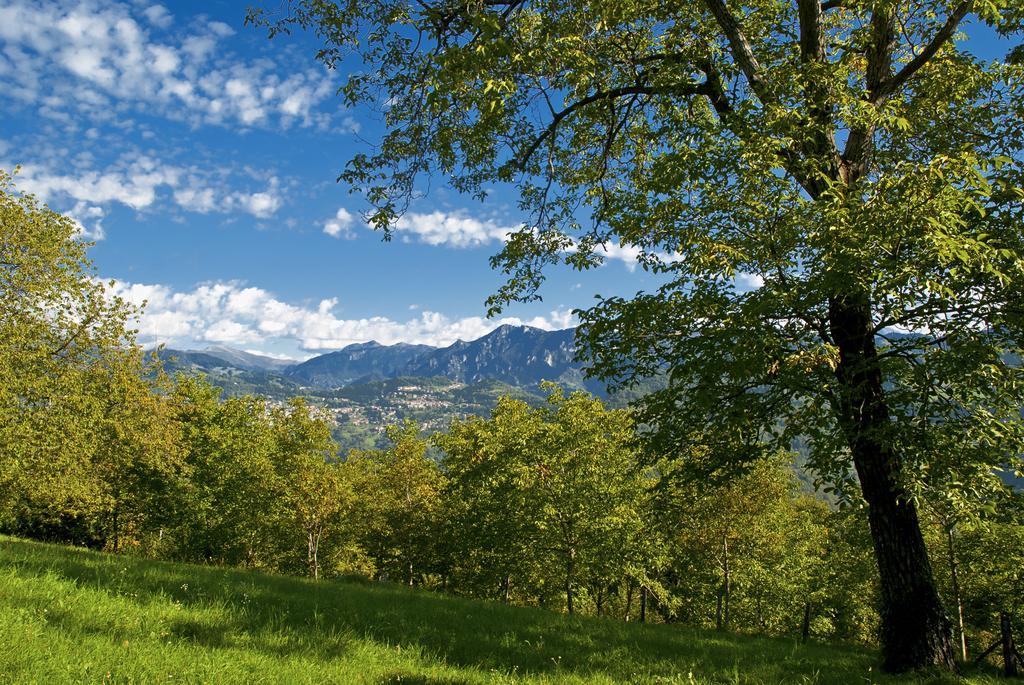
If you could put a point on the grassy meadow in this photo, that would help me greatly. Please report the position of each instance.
(69, 615)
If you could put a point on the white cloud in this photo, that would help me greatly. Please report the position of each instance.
(234, 314)
(131, 182)
(89, 219)
(92, 53)
(139, 181)
(746, 282)
(452, 230)
(459, 230)
(221, 29)
(196, 199)
(158, 16)
(340, 225)
(627, 254)
(261, 205)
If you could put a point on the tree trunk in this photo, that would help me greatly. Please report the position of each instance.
(506, 583)
(117, 532)
(599, 600)
(805, 628)
(723, 617)
(643, 604)
(915, 631)
(955, 581)
(310, 554)
(629, 601)
(570, 566)
(1009, 649)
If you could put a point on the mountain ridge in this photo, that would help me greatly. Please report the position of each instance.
(522, 356)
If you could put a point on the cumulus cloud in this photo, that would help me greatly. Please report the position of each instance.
(130, 182)
(261, 205)
(138, 181)
(746, 282)
(452, 230)
(460, 230)
(158, 16)
(235, 314)
(340, 225)
(101, 56)
(89, 219)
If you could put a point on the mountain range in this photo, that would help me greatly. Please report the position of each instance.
(520, 356)
(367, 386)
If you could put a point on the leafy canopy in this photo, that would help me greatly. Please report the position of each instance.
(851, 151)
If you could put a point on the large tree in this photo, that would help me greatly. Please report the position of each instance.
(851, 158)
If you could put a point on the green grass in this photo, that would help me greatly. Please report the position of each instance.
(69, 616)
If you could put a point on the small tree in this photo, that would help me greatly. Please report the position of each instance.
(234, 505)
(555, 494)
(316, 495)
(396, 499)
(743, 553)
(489, 511)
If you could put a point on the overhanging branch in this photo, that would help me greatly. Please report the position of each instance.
(610, 94)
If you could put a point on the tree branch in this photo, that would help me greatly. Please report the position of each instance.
(879, 66)
(740, 47)
(611, 94)
(74, 336)
(890, 86)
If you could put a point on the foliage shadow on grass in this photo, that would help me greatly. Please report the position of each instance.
(319, 618)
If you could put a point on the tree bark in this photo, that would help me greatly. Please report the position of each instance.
(805, 628)
(643, 604)
(570, 566)
(722, 611)
(915, 630)
(1009, 649)
(310, 554)
(506, 584)
(117, 532)
(955, 580)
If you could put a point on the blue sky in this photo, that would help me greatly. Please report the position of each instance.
(202, 160)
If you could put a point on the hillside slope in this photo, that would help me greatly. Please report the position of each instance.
(69, 616)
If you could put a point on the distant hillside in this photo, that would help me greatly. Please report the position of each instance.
(368, 385)
(233, 379)
(520, 356)
(356, 363)
(517, 355)
(248, 360)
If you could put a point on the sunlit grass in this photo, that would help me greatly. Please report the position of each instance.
(69, 616)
